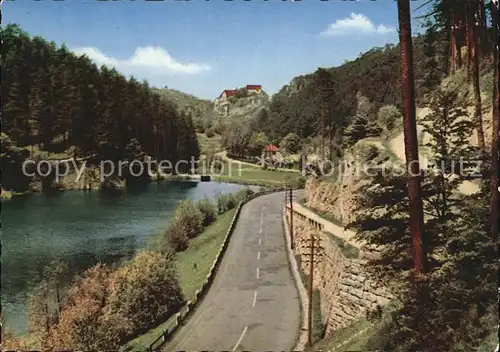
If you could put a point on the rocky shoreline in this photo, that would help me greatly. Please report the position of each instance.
(109, 185)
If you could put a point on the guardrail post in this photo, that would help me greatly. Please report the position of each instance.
(291, 218)
(286, 195)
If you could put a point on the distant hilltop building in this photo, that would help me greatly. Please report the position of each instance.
(253, 88)
(248, 89)
(227, 93)
(223, 100)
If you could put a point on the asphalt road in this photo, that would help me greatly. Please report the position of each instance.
(253, 304)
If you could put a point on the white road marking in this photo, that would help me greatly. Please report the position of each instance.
(258, 273)
(260, 230)
(254, 298)
(261, 220)
(241, 338)
(260, 241)
(258, 255)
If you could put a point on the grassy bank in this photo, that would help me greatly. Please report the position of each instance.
(317, 323)
(253, 175)
(209, 144)
(351, 338)
(365, 334)
(193, 265)
(370, 333)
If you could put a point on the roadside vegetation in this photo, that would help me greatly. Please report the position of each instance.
(317, 323)
(251, 175)
(192, 266)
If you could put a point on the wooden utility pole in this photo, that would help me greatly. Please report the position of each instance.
(330, 145)
(322, 131)
(311, 281)
(286, 195)
(410, 139)
(314, 254)
(292, 244)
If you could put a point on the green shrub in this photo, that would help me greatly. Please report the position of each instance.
(209, 132)
(225, 202)
(369, 153)
(189, 215)
(243, 194)
(209, 211)
(387, 117)
(228, 201)
(291, 143)
(486, 83)
(222, 203)
(176, 237)
(231, 201)
(145, 291)
(301, 182)
(458, 83)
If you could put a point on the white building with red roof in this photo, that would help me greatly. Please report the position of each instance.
(253, 88)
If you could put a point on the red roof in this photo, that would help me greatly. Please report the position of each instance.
(229, 92)
(271, 148)
(253, 87)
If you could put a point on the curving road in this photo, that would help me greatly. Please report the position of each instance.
(253, 304)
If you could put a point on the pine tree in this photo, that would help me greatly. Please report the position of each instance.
(461, 255)
(40, 108)
(431, 75)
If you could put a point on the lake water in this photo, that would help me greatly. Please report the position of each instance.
(82, 229)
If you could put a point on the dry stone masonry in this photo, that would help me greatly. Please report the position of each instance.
(346, 291)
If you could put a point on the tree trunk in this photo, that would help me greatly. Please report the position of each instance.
(453, 42)
(468, 43)
(495, 138)
(459, 57)
(419, 255)
(483, 35)
(478, 114)
(459, 31)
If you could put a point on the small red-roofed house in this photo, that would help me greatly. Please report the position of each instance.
(227, 93)
(270, 150)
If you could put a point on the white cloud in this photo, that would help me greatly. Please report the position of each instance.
(150, 58)
(356, 23)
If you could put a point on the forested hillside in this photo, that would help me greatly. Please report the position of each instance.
(298, 107)
(61, 103)
(335, 92)
(201, 111)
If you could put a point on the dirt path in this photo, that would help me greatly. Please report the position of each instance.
(397, 146)
(224, 157)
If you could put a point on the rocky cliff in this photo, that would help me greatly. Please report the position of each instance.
(334, 194)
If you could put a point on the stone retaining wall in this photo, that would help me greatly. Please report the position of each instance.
(346, 291)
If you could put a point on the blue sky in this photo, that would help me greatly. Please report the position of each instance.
(202, 47)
